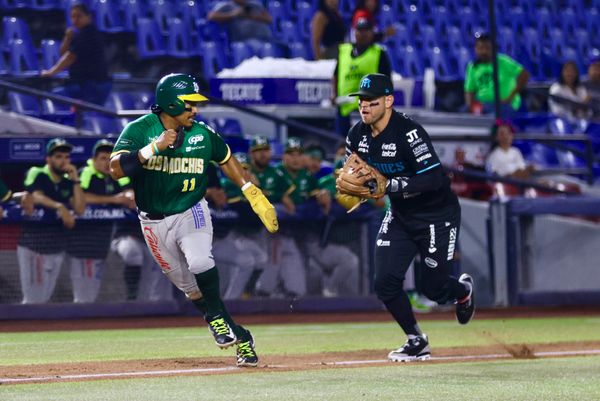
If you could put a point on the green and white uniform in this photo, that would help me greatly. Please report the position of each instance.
(273, 183)
(169, 194)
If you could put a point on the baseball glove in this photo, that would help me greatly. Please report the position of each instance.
(360, 179)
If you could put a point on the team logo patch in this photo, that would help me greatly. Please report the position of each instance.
(430, 262)
(365, 83)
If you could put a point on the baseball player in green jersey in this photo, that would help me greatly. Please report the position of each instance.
(24, 198)
(165, 154)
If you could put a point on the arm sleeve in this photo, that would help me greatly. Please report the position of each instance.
(431, 180)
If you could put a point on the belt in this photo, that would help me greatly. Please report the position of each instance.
(152, 216)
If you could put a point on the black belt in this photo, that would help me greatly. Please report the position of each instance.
(155, 216)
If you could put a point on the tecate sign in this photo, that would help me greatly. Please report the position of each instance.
(241, 92)
(313, 91)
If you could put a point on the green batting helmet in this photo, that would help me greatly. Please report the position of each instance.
(173, 90)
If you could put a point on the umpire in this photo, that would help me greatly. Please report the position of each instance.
(424, 216)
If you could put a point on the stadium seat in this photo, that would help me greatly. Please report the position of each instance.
(23, 60)
(591, 22)
(438, 62)
(150, 42)
(581, 42)
(506, 41)
(289, 33)
(410, 62)
(3, 67)
(568, 22)
(387, 16)
(240, 51)
(545, 23)
(543, 155)
(270, 50)
(517, 19)
(305, 14)
(441, 20)
(278, 13)
(107, 16)
(531, 45)
(468, 22)
(57, 112)
(401, 38)
(213, 59)
(191, 12)
(24, 104)
(454, 39)
(560, 126)
(428, 38)
(298, 49)
(136, 100)
(180, 43)
(162, 11)
(44, 5)
(228, 126)
(463, 58)
(50, 49)
(100, 124)
(133, 11)
(412, 20)
(15, 29)
(571, 54)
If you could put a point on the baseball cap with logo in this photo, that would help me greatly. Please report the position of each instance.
(363, 23)
(58, 144)
(103, 145)
(259, 142)
(293, 144)
(374, 86)
(242, 158)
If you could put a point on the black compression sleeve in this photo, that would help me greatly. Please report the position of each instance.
(130, 164)
(428, 181)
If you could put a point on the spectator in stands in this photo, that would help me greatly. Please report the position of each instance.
(327, 30)
(40, 251)
(355, 61)
(369, 9)
(314, 154)
(592, 85)
(247, 21)
(569, 87)
(24, 197)
(82, 53)
(505, 159)
(479, 82)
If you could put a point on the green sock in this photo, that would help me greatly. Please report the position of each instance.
(208, 282)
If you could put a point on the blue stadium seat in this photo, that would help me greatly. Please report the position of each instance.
(289, 33)
(453, 6)
(213, 32)
(387, 16)
(401, 38)
(44, 5)
(107, 16)
(240, 51)
(23, 60)
(228, 126)
(591, 22)
(24, 104)
(10, 5)
(298, 49)
(413, 20)
(463, 58)
(3, 66)
(517, 19)
(100, 124)
(560, 126)
(545, 23)
(150, 42)
(543, 155)
(428, 38)
(136, 100)
(582, 43)
(305, 14)
(50, 49)
(555, 41)
(270, 50)
(162, 11)
(443, 69)
(454, 39)
(569, 23)
(531, 46)
(278, 13)
(506, 41)
(346, 7)
(191, 12)
(15, 29)
(180, 42)
(133, 11)
(468, 22)
(410, 62)
(213, 59)
(58, 112)
(441, 20)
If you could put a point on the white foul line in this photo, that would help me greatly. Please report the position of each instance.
(7, 380)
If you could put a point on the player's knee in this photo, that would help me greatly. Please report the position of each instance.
(386, 289)
(201, 263)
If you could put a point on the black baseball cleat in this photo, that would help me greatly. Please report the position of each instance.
(246, 354)
(465, 308)
(222, 332)
(415, 349)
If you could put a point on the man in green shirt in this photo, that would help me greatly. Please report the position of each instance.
(166, 154)
(479, 82)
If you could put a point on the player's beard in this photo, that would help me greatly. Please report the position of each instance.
(57, 170)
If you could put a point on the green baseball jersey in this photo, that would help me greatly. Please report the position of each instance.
(304, 183)
(273, 183)
(176, 179)
(479, 80)
(97, 183)
(5, 193)
(233, 192)
(327, 182)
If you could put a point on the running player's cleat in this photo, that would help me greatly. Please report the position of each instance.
(222, 332)
(246, 354)
(415, 349)
(465, 308)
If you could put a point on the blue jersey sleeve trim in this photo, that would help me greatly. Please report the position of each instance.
(428, 168)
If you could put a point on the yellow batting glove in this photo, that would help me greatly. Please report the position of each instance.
(261, 206)
(349, 202)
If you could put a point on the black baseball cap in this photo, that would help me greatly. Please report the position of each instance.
(374, 86)
(58, 144)
(103, 145)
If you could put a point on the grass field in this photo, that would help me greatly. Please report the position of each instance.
(498, 377)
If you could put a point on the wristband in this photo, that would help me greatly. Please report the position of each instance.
(155, 148)
(147, 151)
(246, 186)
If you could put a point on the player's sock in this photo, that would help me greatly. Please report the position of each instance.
(131, 275)
(200, 304)
(401, 310)
(208, 282)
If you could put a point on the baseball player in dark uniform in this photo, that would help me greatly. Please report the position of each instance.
(41, 249)
(424, 216)
(166, 154)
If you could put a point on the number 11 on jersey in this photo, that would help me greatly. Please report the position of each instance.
(188, 185)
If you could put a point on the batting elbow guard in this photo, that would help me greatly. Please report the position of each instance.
(130, 164)
(261, 206)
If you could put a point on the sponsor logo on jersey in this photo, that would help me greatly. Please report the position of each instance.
(452, 243)
(388, 150)
(381, 242)
(389, 168)
(386, 220)
(424, 157)
(419, 150)
(152, 241)
(430, 262)
(190, 148)
(175, 165)
(195, 139)
(416, 142)
(363, 145)
(411, 136)
(432, 247)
